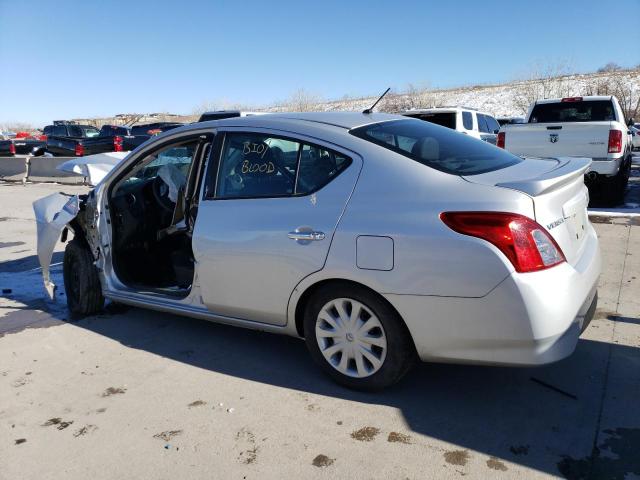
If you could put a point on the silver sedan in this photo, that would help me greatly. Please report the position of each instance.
(378, 239)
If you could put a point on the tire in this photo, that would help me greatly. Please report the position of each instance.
(381, 325)
(81, 282)
(613, 188)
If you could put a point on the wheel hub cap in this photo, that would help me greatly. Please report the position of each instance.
(351, 337)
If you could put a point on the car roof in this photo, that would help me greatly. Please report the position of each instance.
(418, 111)
(341, 120)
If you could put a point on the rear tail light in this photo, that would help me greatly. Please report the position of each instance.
(12, 149)
(523, 241)
(79, 151)
(117, 143)
(615, 141)
(500, 141)
(572, 99)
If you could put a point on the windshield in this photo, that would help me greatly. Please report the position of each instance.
(445, 119)
(576, 111)
(437, 147)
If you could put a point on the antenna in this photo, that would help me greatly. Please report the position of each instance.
(370, 109)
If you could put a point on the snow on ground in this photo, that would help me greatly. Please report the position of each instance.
(504, 100)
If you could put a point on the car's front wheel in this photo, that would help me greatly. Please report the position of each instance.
(357, 338)
(81, 282)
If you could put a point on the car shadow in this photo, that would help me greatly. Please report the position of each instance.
(542, 418)
(23, 264)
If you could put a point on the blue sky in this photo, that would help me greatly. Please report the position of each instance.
(62, 59)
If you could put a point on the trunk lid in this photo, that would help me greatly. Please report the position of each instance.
(576, 139)
(560, 197)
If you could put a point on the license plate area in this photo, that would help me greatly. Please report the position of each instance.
(575, 217)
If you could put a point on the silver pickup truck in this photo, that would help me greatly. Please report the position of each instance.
(588, 127)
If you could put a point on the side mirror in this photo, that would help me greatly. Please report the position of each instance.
(630, 122)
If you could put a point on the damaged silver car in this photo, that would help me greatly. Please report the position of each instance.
(379, 239)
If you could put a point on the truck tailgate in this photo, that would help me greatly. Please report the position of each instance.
(576, 139)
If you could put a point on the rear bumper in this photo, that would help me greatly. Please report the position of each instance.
(529, 319)
(605, 166)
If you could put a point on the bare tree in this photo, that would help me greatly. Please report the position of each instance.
(610, 67)
(623, 84)
(18, 127)
(412, 97)
(302, 101)
(544, 81)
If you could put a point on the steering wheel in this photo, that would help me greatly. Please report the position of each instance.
(160, 192)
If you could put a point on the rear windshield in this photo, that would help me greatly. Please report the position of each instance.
(437, 147)
(445, 119)
(580, 111)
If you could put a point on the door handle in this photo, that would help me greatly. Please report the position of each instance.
(306, 236)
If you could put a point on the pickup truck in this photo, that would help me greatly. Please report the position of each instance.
(69, 140)
(21, 146)
(79, 140)
(588, 127)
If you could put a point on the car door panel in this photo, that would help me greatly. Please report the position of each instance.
(247, 265)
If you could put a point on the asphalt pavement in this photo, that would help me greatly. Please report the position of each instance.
(132, 393)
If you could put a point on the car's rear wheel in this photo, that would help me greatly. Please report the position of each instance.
(81, 282)
(357, 338)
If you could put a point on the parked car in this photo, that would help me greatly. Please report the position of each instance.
(635, 140)
(378, 238)
(465, 120)
(222, 114)
(592, 127)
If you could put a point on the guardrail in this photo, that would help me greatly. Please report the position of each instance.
(28, 168)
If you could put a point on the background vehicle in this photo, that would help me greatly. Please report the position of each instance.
(66, 139)
(465, 120)
(635, 141)
(221, 114)
(591, 127)
(7, 148)
(377, 238)
(22, 146)
(504, 120)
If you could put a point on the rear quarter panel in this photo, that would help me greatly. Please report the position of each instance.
(399, 198)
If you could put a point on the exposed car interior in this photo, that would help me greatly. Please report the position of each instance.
(152, 218)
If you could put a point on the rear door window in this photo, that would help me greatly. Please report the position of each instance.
(574, 111)
(467, 120)
(437, 147)
(318, 166)
(75, 131)
(60, 130)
